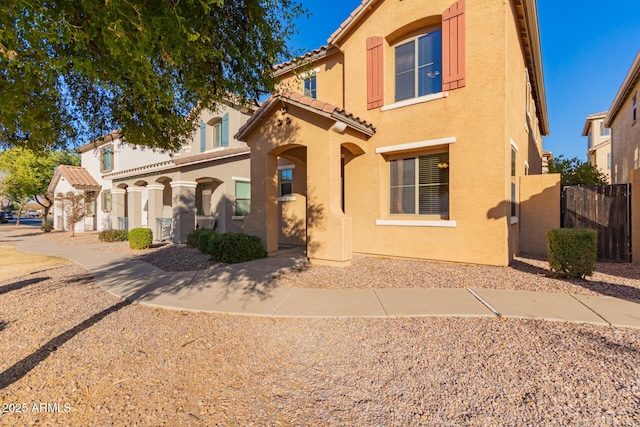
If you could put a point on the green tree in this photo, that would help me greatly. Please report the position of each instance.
(77, 69)
(28, 174)
(576, 172)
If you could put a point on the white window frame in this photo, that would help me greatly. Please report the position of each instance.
(236, 179)
(285, 197)
(417, 185)
(415, 98)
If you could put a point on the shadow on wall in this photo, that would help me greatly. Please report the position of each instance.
(536, 215)
(298, 227)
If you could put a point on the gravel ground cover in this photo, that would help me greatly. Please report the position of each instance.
(93, 360)
(525, 273)
(164, 255)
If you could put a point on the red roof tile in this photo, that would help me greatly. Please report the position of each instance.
(78, 177)
(312, 104)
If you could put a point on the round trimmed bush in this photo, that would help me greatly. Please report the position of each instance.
(140, 238)
(572, 251)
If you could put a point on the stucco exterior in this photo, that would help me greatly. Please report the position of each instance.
(172, 193)
(622, 118)
(598, 143)
(346, 149)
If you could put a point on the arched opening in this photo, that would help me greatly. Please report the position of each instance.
(294, 211)
(210, 203)
(348, 152)
(144, 202)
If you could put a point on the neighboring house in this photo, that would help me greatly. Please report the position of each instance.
(622, 118)
(205, 183)
(408, 135)
(599, 143)
(547, 157)
(67, 183)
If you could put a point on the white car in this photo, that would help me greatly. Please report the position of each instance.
(32, 214)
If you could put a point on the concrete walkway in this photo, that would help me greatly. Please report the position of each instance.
(247, 289)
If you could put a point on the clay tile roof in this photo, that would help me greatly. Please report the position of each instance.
(311, 104)
(76, 176)
(309, 55)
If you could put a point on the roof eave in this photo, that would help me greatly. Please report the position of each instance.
(629, 81)
(304, 60)
(336, 38)
(533, 33)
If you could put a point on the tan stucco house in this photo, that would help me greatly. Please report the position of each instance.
(408, 135)
(622, 118)
(598, 143)
(205, 183)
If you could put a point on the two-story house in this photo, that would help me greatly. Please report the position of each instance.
(598, 143)
(406, 136)
(622, 118)
(205, 183)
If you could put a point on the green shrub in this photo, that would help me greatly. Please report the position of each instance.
(572, 251)
(140, 238)
(113, 236)
(232, 248)
(192, 237)
(47, 226)
(203, 240)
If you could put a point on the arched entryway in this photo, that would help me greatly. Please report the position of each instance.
(210, 204)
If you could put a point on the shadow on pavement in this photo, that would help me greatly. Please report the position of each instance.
(245, 283)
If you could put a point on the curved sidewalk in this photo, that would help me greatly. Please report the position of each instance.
(248, 289)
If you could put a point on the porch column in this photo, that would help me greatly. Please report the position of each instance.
(155, 207)
(329, 230)
(134, 199)
(184, 209)
(118, 205)
(262, 220)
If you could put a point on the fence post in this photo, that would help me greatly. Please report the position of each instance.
(634, 214)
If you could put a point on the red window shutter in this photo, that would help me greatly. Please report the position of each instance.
(375, 71)
(453, 76)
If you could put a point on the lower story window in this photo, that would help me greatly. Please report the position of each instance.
(420, 185)
(90, 204)
(286, 182)
(106, 201)
(243, 198)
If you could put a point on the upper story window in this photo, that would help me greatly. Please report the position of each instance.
(310, 87)
(418, 66)
(604, 131)
(635, 108)
(214, 133)
(106, 158)
(590, 139)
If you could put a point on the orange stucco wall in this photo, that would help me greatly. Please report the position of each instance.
(484, 119)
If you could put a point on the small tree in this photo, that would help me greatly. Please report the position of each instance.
(74, 208)
(576, 172)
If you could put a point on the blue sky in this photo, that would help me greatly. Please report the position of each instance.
(587, 49)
